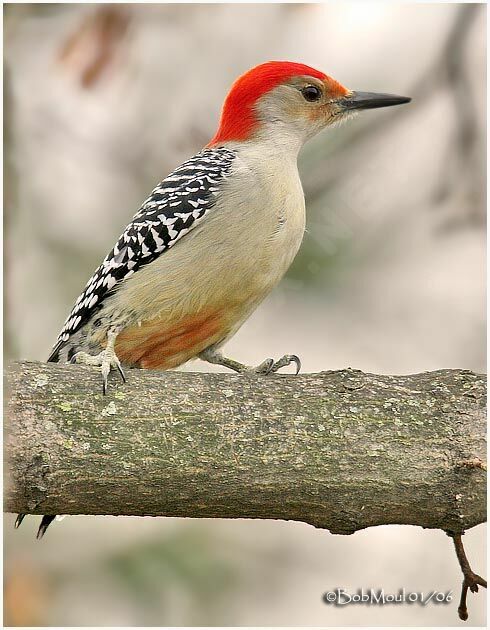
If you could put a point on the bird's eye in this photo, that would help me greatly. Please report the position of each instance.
(311, 93)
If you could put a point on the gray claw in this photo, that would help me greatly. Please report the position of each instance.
(297, 360)
(265, 367)
(106, 360)
(287, 359)
(121, 372)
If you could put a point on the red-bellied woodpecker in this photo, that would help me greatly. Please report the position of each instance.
(214, 237)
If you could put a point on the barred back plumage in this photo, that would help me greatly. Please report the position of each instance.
(179, 203)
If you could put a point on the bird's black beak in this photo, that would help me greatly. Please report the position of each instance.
(371, 100)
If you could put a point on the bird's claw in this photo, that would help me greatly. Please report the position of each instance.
(106, 360)
(264, 368)
(269, 366)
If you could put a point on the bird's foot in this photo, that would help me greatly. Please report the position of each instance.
(106, 360)
(269, 366)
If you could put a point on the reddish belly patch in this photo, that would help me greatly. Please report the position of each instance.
(156, 345)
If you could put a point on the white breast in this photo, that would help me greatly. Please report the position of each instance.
(235, 257)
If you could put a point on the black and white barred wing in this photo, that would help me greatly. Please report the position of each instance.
(179, 203)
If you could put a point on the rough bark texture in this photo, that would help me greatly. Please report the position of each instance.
(340, 450)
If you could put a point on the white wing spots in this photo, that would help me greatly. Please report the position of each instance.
(159, 242)
(175, 206)
(172, 233)
(110, 281)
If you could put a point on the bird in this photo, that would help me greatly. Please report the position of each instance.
(214, 237)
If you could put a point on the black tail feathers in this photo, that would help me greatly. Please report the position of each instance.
(45, 523)
(18, 520)
(47, 519)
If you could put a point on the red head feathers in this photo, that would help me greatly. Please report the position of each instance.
(238, 118)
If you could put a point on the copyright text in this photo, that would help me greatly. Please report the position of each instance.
(370, 596)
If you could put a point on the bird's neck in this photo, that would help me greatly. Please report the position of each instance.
(276, 144)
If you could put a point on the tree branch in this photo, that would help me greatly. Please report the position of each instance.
(470, 579)
(340, 450)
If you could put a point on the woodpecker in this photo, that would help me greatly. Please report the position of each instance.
(214, 237)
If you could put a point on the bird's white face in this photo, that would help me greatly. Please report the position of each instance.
(301, 107)
(296, 110)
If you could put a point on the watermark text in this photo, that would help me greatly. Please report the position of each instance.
(378, 596)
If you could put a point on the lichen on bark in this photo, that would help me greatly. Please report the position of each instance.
(340, 450)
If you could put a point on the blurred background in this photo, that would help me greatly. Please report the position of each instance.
(103, 101)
